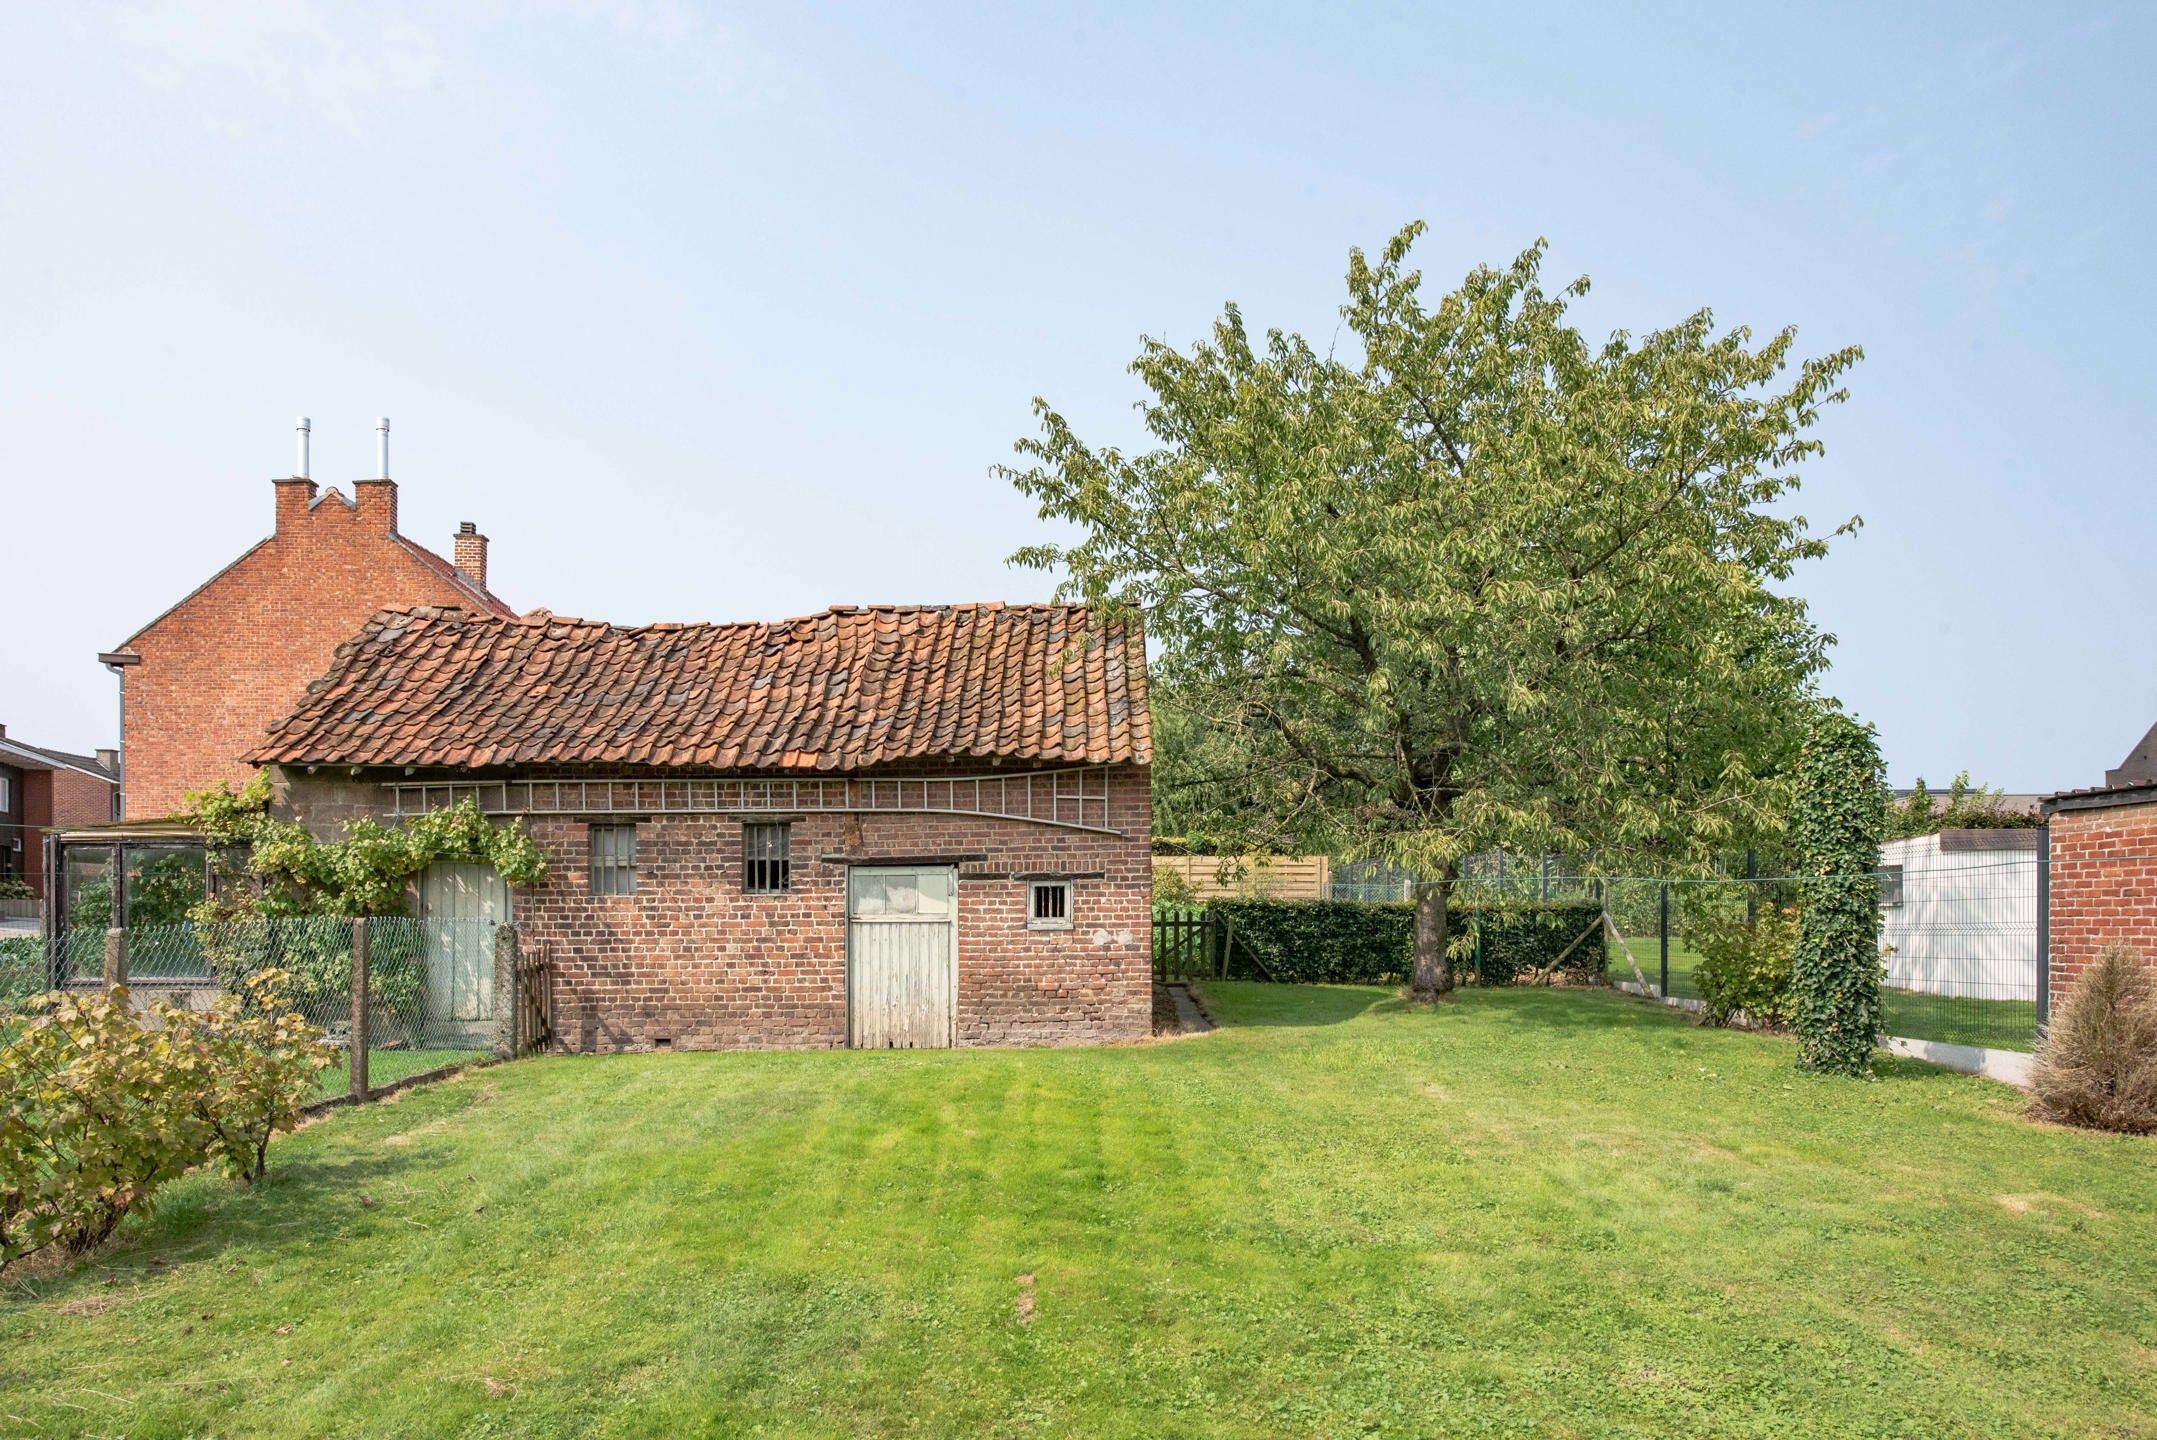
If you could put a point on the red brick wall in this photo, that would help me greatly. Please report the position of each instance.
(238, 653)
(2104, 886)
(59, 800)
(691, 959)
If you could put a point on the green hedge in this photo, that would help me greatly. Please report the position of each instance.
(1352, 942)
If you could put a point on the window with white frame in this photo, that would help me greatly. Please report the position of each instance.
(1890, 886)
(614, 859)
(1048, 905)
(7, 792)
(767, 859)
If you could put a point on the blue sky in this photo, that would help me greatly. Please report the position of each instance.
(726, 313)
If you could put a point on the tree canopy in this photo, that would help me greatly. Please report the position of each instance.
(1471, 581)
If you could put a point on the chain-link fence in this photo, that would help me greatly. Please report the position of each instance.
(430, 984)
(1961, 925)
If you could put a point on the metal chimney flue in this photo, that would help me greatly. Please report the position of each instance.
(381, 448)
(300, 432)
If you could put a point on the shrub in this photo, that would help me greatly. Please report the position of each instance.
(98, 1109)
(1511, 942)
(254, 1061)
(1352, 942)
(22, 968)
(1745, 967)
(14, 889)
(2097, 1062)
(92, 1122)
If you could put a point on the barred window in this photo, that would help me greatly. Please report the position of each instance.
(767, 859)
(614, 859)
(1048, 905)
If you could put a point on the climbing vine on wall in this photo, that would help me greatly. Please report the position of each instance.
(285, 870)
(1836, 824)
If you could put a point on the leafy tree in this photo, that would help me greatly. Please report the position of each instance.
(1478, 583)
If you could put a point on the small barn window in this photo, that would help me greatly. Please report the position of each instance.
(614, 859)
(1890, 886)
(767, 859)
(1048, 905)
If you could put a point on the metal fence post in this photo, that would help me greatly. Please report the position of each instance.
(356, 1043)
(115, 956)
(2044, 927)
(1662, 924)
(1752, 888)
(505, 992)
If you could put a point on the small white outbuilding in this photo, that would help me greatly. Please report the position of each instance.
(1958, 913)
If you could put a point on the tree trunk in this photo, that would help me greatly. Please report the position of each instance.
(1434, 968)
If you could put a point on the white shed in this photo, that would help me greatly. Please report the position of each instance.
(1958, 913)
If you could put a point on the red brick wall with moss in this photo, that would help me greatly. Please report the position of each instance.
(237, 654)
(692, 960)
(2104, 886)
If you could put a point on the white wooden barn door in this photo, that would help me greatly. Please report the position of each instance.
(902, 967)
(460, 904)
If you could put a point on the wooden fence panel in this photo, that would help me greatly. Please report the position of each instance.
(1261, 877)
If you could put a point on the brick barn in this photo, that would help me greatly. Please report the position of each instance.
(891, 826)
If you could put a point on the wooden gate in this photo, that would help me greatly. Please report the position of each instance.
(535, 1000)
(902, 970)
(1187, 944)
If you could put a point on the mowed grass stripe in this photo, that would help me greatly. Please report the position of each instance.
(1527, 1212)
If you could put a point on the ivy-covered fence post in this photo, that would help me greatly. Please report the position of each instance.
(1836, 826)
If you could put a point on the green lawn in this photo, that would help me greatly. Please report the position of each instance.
(1956, 1020)
(1530, 1212)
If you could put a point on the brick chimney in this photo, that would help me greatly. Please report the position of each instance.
(377, 503)
(294, 495)
(470, 555)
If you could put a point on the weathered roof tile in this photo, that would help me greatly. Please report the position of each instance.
(841, 690)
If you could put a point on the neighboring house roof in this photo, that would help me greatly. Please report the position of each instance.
(494, 603)
(2140, 766)
(2101, 797)
(843, 689)
(37, 757)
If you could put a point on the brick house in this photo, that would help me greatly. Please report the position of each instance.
(201, 682)
(885, 826)
(2103, 847)
(44, 790)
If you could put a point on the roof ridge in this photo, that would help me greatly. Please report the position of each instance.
(846, 688)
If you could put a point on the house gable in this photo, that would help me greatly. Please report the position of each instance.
(203, 679)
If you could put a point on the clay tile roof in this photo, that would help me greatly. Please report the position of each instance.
(848, 688)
